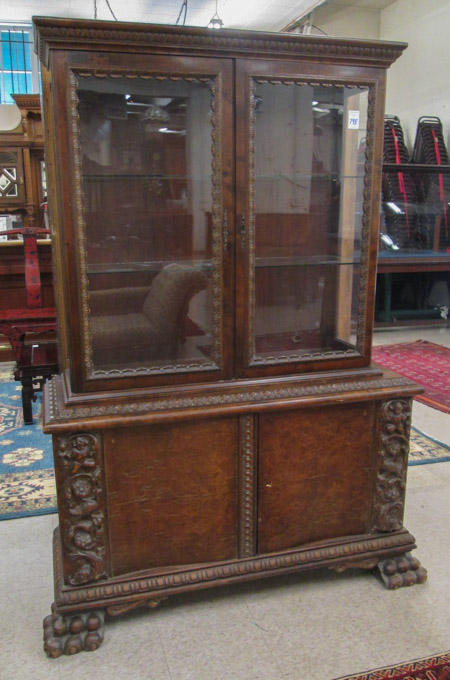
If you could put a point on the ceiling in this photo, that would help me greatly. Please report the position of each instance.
(362, 4)
(269, 15)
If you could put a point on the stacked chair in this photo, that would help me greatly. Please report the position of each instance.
(433, 188)
(402, 221)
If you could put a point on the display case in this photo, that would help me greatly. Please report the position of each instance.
(214, 198)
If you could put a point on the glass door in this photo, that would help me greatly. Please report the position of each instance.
(304, 219)
(151, 149)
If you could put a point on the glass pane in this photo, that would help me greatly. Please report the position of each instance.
(309, 158)
(147, 177)
(8, 88)
(6, 50)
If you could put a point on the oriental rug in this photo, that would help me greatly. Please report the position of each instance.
(424, 362)
(431, 668)
(27, 485)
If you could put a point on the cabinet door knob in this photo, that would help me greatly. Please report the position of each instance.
(242, 229)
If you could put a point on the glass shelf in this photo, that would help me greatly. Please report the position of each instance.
(155, 266)
(143, 176)
(304, 261)
(328, 176)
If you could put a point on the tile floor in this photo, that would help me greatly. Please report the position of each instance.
(314, 626)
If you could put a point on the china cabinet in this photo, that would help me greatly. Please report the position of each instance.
(214, 199)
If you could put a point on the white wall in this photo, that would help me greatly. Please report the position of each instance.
(10, 117)
(345, 22)
(419, 82)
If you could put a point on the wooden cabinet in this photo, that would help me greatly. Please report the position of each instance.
(22, 192)
(215, 201)
(21, 163)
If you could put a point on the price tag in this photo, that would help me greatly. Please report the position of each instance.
(353, 120)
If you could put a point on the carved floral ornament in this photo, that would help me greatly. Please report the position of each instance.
(83, 518)
(392, 465)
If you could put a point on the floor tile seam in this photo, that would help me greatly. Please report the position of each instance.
(163, 648)
(267, 646)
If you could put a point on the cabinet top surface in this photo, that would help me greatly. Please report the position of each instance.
(53, 33)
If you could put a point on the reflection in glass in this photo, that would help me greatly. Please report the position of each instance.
(146, 161)
(309, 163)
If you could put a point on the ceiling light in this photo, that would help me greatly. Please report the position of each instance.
(215, 21)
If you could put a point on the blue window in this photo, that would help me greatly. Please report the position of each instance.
(18, 64)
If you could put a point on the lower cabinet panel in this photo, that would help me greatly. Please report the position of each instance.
(172, 493)
(314, 474)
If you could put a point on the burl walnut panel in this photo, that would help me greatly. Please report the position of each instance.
(172, 493)
(314, 475)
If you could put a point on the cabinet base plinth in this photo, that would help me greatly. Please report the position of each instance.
(398, 572)
(78, 616)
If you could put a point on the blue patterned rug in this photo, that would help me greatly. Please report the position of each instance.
(27, 484)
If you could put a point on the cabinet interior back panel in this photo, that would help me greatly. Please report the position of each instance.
(171, 494)
(314, 475)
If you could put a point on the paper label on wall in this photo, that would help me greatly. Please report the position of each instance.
(353, 120)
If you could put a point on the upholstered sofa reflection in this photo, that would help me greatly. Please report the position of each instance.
(138, 325)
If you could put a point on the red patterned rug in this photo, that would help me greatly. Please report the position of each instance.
(431, 668)
(424, 362)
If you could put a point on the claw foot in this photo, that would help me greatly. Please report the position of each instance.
(397, 572)
(72, 633)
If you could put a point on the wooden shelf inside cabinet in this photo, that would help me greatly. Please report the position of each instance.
(215, 315)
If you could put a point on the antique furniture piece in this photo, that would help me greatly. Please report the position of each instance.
(14, 273)
(22, 194)
(31, 329)
(256, 438)
(22, 175)
(37, 362)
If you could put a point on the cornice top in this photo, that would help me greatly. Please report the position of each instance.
(32, 102)
(52, 33)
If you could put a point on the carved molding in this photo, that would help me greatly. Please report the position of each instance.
(238, 570)
(366, 219)
(215, 84)
(120, 609)
(57, 412)
(247, 484)
(249, 221)
(370, 85)
(82, 512)
(52, 32)
(392, 461)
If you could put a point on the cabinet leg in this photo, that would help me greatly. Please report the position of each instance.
(27, 399)
(73, 633)
(405, 570)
